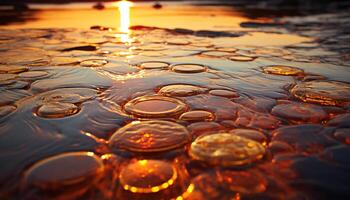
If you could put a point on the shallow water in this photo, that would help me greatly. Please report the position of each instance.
(201, 112)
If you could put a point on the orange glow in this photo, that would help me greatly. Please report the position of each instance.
(124, 10)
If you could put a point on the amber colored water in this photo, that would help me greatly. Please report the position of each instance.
(196, 102)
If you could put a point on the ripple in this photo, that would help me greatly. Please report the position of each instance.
(64, 171)
(12, 69)
(6, 110)
(323, 92)
(150, 136)
(226, 149)
(224, 93)
(283, 70)
(154, 65)
(189, 68)
(300, 112)
(147, 176)
(69, 95)
(57, 110)
(181, 90)
(241, 58)
(155, 106)
(93, 63)
(197, 115)
(216, 53)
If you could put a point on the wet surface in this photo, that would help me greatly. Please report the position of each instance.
(257, 111)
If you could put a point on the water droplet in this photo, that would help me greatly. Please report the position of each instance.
(189, 68)
(226, 150)
(6, 110)
(147, 176)
(57, 110)
(33, 74)
(12, 69)
(93, 63)
(181, 90)
(224, 93)
(155, 106)
(154, 65)
(64, 171)
(241, 58)
(197, 115)
(300, 112)
(150, 136)
(323, 92)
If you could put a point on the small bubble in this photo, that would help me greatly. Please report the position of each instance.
(154, 65)
(189, 68)
(57, 110)
(283, 70)
(181, 90)
(197, 115)
(149, 136)
(224, 93)
(155, 106)
(241, 58)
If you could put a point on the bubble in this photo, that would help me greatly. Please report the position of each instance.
(224, 93)
(331, 93)
(150, 136)
(60, 60)
(147, 176)
(189, 68)
(12, 69)
(69, 95)
(283, 70)
(197, 115)
(277, 147)
(155, 106)
(227, 49)
(241, 58)
(177, 42)
(93, 63)
(300, 112)
(33, 74)
(342, 134)
(226, 150)
(251, 134)
(57, 110)
(154, 65)
(6, 110)
(181, 90)
(64, 171)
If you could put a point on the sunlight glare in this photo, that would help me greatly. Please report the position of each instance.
(124, 10)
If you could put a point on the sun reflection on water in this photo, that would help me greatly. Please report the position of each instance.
(124, 13)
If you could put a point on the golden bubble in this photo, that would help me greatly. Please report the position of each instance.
(241, 58)
(155, 107)
(57, 110)
(147, 176)
(331, 93)
(282, 70)
(64, 171)
(226, 149)
(150, 136)
(181, 90)
(154, 65)
(197, 115)
(189, 68)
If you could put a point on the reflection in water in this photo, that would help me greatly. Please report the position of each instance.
(124, 13)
